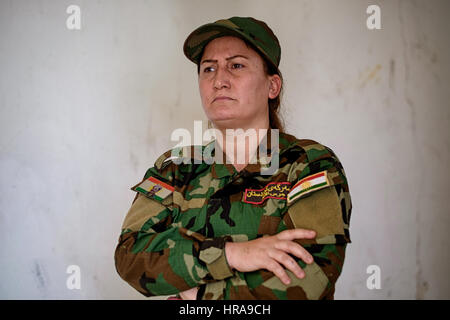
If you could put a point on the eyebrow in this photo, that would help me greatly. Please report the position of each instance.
(236, 56)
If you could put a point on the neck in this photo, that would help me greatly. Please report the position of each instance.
(239, 140)
(240, 146)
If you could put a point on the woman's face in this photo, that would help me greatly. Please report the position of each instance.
(233, 85)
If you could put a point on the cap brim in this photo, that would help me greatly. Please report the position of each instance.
(200, 37)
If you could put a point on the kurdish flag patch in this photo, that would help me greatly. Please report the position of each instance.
(154, 188)
(307, 185)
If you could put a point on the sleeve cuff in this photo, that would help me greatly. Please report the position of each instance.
(212, 253)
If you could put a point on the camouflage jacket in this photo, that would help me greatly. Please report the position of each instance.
(175, 241)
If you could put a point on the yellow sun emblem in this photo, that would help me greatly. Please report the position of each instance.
(306, 185)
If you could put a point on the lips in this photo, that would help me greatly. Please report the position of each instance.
(222, 98)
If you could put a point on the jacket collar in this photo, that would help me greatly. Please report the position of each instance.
(263, 154)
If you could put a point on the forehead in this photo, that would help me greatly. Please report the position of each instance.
(227, 46)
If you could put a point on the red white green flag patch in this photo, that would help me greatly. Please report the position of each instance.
(307, 185)
(154, 188)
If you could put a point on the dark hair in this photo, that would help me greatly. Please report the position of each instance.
(275, 120)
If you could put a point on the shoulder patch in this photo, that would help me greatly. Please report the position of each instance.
(308, 184)
(154, 188)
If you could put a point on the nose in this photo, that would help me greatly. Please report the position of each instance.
(221, 79)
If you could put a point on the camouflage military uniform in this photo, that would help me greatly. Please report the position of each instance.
(172, 243)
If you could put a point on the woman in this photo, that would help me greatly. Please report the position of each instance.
(228, 231)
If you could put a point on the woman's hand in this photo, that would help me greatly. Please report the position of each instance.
(190, 294)
(269, 252)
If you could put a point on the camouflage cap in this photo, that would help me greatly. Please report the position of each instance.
(254, 31)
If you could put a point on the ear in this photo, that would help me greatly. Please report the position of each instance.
(275, 86)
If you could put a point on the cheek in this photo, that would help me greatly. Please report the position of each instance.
(255, 92)
(203, 90)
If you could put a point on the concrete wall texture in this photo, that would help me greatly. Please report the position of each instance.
(84, 113)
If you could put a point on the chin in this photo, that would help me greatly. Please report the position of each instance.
(222, 120)
(231, 123)
(222, 115)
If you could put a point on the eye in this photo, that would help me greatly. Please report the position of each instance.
(207, 69)
(237, 66)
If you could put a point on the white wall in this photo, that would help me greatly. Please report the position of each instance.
(83, 114)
